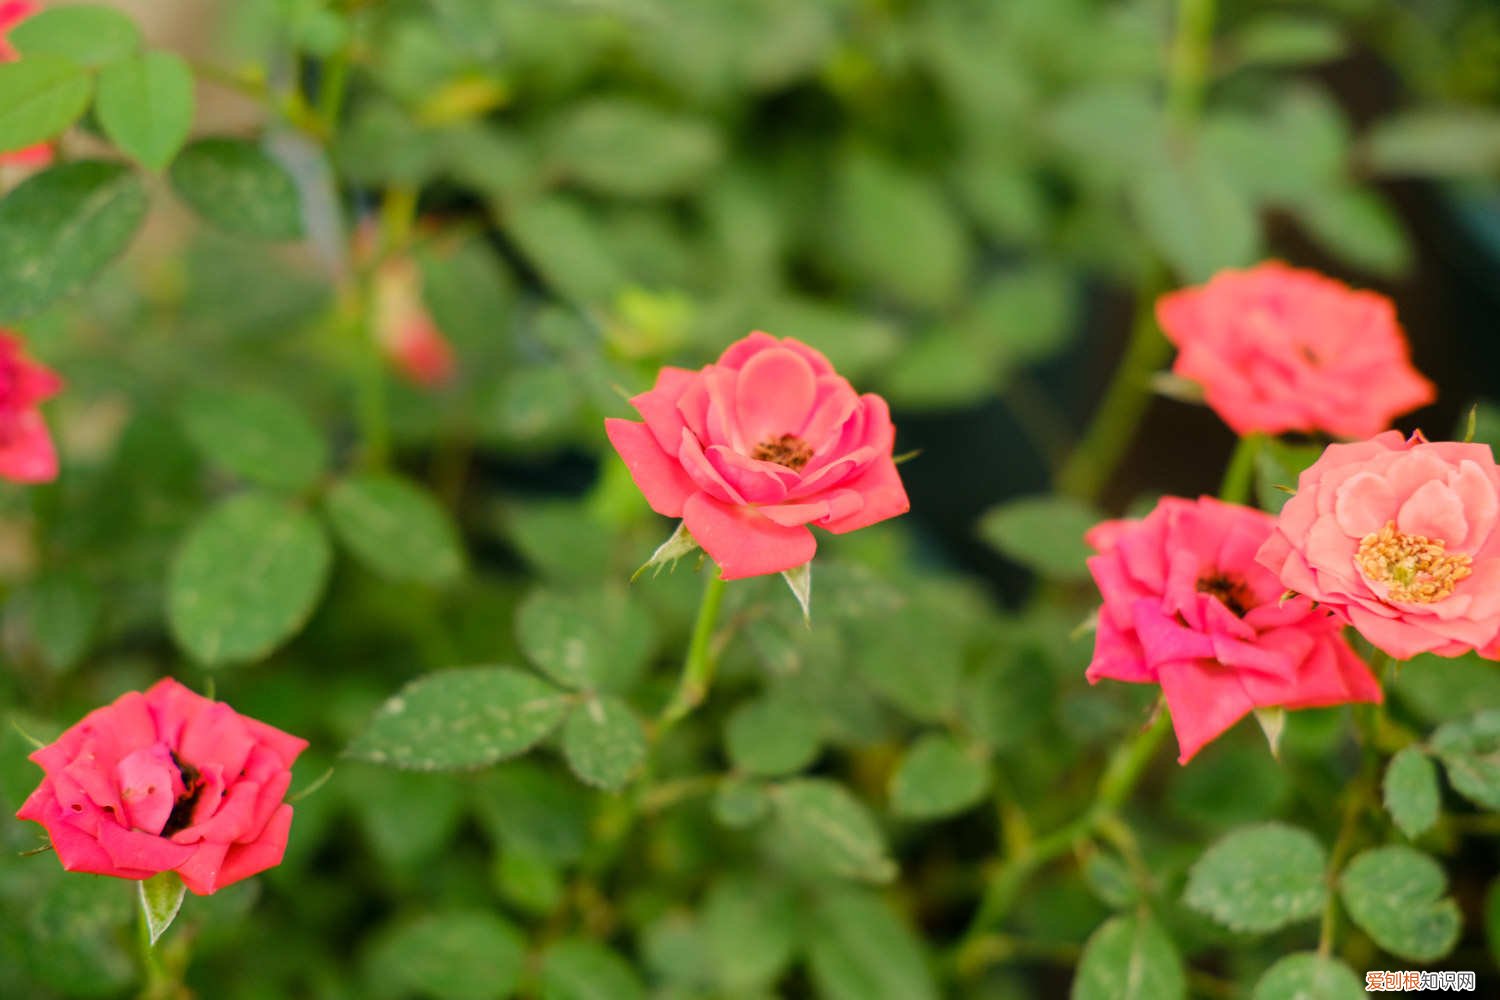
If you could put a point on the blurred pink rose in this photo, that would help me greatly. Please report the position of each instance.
(1279, 349)
(12, 13)
(751, 450)
(1186, 606)
(1399, 538)
(26, 452)
(405, 328)
(167, 781)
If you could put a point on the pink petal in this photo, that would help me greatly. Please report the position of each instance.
(758, 482)
(200, 873)
(148, 782)
(1363, 504)
(774, 395)
(216, 736)
(743, 542)
(1205, 699)
(883, 493)
(658, 475)
(244, 860)
(1436, 512)
(283, 744)
(837, 504)
(659, 406)
(142, 851)
(26, 452)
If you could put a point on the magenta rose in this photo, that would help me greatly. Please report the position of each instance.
(751, 450)
(167, 781)
(1186, 606)
(1401, 538)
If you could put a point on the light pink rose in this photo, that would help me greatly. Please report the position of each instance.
(26, 452)
(1279, 349)
(751, 450)
(167, 781)
(1399, 538)
(1186, 606)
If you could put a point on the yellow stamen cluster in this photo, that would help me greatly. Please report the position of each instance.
(787, 450)
(1414, 568)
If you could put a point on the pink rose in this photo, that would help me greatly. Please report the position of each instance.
(404, 327)
(1186, 606)
(167, 781)
(12, 13)
(1399, 538)
(753, 449)
(1279, 349)
(26, 452)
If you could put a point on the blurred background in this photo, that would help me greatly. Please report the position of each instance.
(969, 205)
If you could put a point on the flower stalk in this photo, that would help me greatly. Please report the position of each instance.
(698, 668)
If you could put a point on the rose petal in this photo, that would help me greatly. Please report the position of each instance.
(658, 475)
(742, 541)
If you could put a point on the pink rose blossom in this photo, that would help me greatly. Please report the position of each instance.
(1279, 349)
(1187, 607)
(167, 781)
(751, 450)
(405, 328)
(1399, 537)
(26, 452)
(12, 13)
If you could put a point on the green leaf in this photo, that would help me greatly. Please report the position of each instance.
(604, 743)
(1308, 976)
(456, 720)
(1108, 878)
(564, 243)
(396, 528)
(861, 950)
(237, 187)
(1470, 752)
(1288, 40)
(1436, 142)
(1043, 533)
(594, 637)
(1359, 226)
(91, 35)
(246, 579)
(896, 232)
(937, 778)
(1441, 689)
(624, 147)
(772, 736)
(39, 98)
(145, 104)
(1129, 958)
(60, 228)
(1195, 216)
(60, 611)
(1396, 895)
(579, 969)
(831, 830)
(452, 955)
(740, 803)
(1412, 796)
(161, 898)
(1259, 878)
(259, 436)
(751, 927)
(1278, 466)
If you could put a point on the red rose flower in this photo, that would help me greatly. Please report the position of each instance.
(751, 450)
(26, 452)
(1279, 349)
(167, 781)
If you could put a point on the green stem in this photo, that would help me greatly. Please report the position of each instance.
(157, 984)
(1113, 426)
(1192, 54)
(1239, 477)
(1003, 886)
(698, 669)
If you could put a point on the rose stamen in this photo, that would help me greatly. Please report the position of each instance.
(787, 450)
(1230, 590)
(1414, 568)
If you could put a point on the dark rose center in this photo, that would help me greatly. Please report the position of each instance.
(182, 809)
(1231, 592)
(788, 451)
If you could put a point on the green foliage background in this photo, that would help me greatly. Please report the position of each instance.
(933, 192)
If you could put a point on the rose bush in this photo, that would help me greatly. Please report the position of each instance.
(752, 449)
(167, 780)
